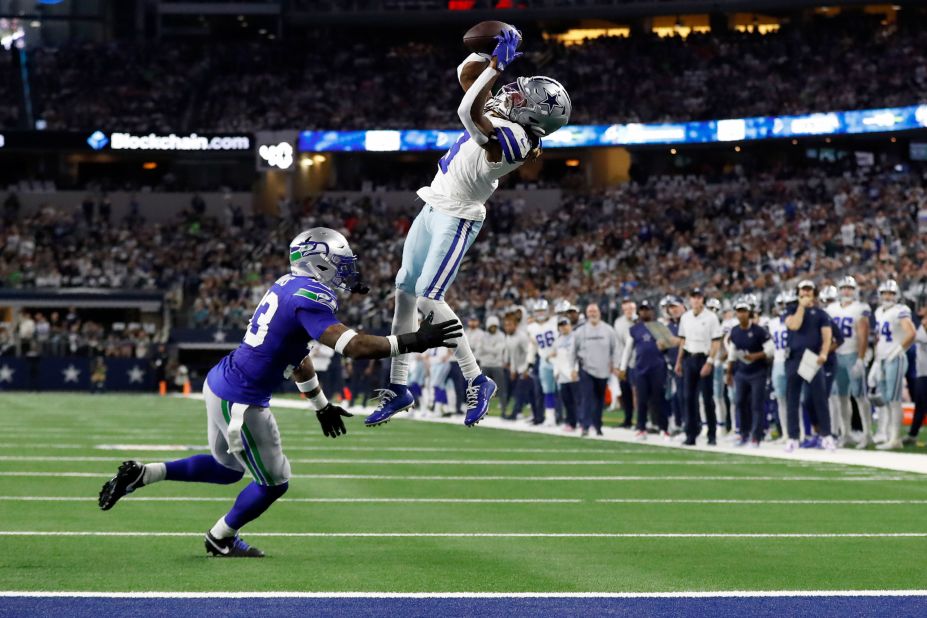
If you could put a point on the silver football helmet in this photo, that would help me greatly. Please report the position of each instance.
(829, 294)
(324, 255)
(541, 309)
(889, 286)
(540, 104)
(713, 304)
(781, 299)
(848, 283)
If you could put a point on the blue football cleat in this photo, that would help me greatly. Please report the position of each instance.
(480, 391)
(393, 400)
(811, 442)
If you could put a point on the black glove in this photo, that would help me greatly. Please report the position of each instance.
(330, 420)
(430, 335)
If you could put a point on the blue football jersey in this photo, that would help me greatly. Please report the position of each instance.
(294, 311)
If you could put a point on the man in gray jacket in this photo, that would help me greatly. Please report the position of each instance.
(490, 353)
(597, 353)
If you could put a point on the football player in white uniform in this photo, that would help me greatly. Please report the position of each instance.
(894, 335)
(502, 132)
(780, 337)
(851, 316)
(544, 331)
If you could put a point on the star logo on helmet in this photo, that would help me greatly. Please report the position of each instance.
(551, 102)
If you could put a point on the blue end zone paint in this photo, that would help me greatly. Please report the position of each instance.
(755, 607)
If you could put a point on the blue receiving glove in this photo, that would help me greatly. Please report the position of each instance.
(505, 50)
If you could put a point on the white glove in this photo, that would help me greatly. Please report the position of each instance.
(858, 369)
(875, 374)
(894, 352)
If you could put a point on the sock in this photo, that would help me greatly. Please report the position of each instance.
(222, 530)
(897, 416)
(201, 469)
(845, 409)
(405, 320)
(550, 401)
(252, 501)
(783, 416)
(154, 472)
(833, 411)
(463, 353)
(865, 417)
(440, 395)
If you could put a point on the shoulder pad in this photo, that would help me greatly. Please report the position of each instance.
(315, 297)
(515, 141)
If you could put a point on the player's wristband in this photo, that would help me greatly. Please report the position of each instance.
(393, 345)
(319, 401)
(309, 385)
(344, 340)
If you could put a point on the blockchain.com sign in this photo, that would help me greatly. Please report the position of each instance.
(174, 142)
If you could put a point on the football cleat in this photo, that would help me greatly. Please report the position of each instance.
(232, 547)
(478, 397)
(811, 442)
(393, 400)
(128, 478)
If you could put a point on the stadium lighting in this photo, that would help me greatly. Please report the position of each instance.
(672, 151)
(572, 162)
(306, 162)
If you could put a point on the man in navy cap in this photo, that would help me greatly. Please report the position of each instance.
(809, 330)
(750, 364)
(645, 341)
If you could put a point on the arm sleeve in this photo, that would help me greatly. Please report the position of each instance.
(463, 110)
(315, 321)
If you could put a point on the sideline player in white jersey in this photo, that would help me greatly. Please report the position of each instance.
(851, 316)
(718, 386)
(502, 132)
(544, 332)
(780, 337)
(894, 335)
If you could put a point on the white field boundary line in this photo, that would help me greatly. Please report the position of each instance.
(444, 462)
(902, 462)
(487, 535)
(387, 477)
(706, 501)
(298, 447)
(695, 594)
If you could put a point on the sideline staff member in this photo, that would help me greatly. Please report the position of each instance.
(809, 329)
(700, 332)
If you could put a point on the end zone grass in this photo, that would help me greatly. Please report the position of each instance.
(421, 479)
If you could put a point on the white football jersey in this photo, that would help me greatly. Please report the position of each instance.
(544, 334)
(780, 336)
(888, 327)
(466, 179)
(846, 318)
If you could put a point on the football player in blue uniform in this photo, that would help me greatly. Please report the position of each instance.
(297, 309)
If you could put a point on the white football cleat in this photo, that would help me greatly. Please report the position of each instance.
(829, 444)
(791, 445)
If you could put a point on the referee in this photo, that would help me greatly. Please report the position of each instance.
(809, 329)
(700, 332)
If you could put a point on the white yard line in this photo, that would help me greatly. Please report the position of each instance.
(488, 535)
(696, 594)
(135, 498)
(400, 477)
(706, 501)
(439, 462)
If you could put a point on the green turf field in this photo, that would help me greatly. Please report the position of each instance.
(421, 478)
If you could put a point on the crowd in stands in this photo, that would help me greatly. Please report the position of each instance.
(826, 64)
(732, 235)
(68, 333)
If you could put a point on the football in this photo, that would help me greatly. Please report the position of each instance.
(481, 38)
